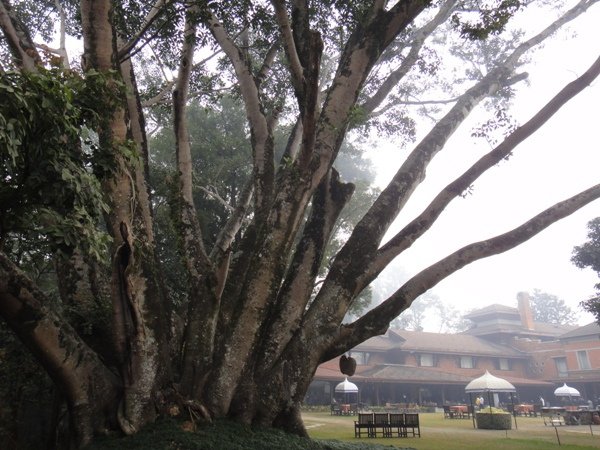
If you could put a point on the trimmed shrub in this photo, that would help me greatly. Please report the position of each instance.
(494, 421)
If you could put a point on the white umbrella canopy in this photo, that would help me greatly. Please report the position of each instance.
(566, 391)
(489, 383)
(346, 387)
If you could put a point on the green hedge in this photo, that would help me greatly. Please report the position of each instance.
(495, 421)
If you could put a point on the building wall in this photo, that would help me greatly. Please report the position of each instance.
(451, 363)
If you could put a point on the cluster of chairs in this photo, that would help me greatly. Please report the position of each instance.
(466, 413)
(387, 425)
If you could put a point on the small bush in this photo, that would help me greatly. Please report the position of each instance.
(494, 421)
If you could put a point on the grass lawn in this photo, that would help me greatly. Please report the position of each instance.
(458, 434)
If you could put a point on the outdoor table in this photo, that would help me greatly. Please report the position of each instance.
(524, 409)
(459, 410)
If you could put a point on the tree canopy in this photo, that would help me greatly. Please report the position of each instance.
(588, 255)
(548, 308)
(224, 307)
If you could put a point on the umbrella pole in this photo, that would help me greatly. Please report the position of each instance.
(490, 403)
(472, 407)
(512, 400)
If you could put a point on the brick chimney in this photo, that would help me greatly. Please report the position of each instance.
(525, 310)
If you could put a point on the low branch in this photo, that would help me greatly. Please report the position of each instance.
(328, 202)
(376, 321)
(362, 246)
(77, 370)
(417, 227)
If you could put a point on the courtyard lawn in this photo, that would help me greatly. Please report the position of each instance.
(458, 434)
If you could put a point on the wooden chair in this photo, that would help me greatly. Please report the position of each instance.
(382, 422)
(364, 424)
(398, 424)
(411, 420)
(448, 414)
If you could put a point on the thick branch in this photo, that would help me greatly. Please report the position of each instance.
(328, 202)
(296, 71)
(77, 371)
(407, 63)
(376, 321)
(261, 137)
(362, 245)
(416, 228)
(363, 49)
(18, 38)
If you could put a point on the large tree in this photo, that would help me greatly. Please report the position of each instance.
(253, 329)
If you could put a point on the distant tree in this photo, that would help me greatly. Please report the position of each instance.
(549, 308)
(74, 164)
(588, 255)
(429, 308)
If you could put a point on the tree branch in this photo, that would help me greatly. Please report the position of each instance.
(262, 141)
(376, 321)
(76, 369)
(18, 39)
(417, 227)
(362, 245)
(328, 202)
(296, 71)
(155, 12)
(407, 63)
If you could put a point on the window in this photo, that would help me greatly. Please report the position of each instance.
(426, 360)
(582, 359)
(466, 362)
(561, 366)
(503, 364)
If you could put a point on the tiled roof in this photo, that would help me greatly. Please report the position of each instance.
(378, 343)
(400, 373)
(590, 329)
(396, 373)
(540, 329)
(457, 344)
(492, 309)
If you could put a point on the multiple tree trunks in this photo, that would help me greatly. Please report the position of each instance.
(255, 329)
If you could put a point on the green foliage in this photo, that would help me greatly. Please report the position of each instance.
(167, 434)
(494, 419)
(492, 17)
(588, 255)
(48, 156)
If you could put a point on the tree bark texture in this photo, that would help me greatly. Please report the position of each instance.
(256, 327)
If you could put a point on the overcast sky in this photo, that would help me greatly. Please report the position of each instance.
(560, 160)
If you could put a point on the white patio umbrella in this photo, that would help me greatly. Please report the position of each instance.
(346, 387)
(490, 383)
(566, 391)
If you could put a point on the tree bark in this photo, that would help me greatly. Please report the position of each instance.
(140, 331)
(90, 389)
